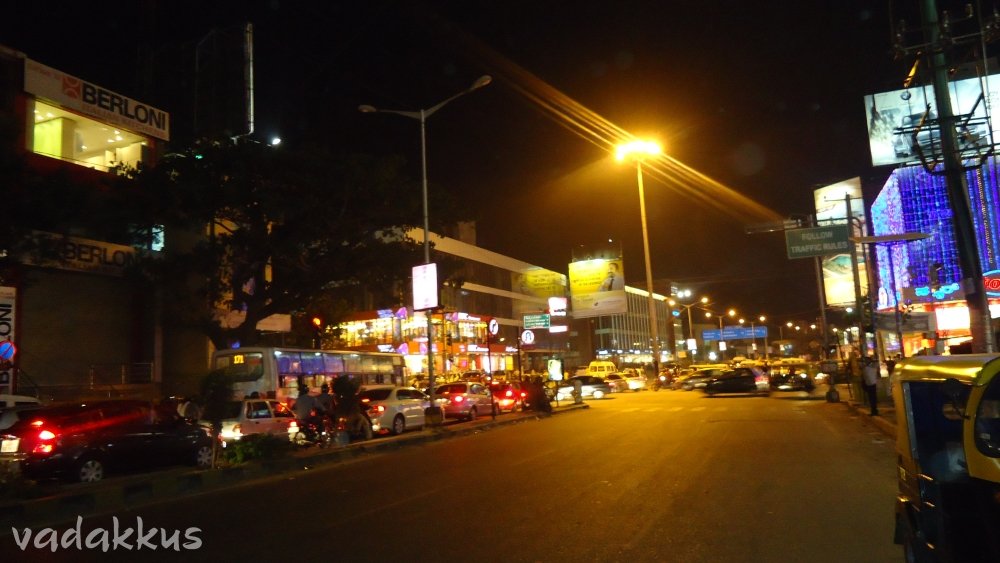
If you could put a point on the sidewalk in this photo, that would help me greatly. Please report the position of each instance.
(886, 419)
(126, 492)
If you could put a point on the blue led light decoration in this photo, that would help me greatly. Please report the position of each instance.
(913, 200)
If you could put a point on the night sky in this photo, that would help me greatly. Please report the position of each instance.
(763, 97)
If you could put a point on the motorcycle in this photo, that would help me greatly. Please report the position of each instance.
(662, 382)
(315, 431)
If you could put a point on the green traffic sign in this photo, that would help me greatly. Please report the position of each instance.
(538, 321)
(818, 241)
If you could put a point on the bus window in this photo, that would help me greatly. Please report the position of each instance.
(312, 363)
(333, 364)
(240, 365)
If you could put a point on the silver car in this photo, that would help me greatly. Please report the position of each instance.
(395, 408)
(590, 386)
(464, 400)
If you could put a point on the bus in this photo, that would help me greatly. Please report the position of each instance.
(277, 372)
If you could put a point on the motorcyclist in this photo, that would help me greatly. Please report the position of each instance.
(306, 411)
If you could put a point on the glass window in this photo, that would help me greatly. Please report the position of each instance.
(334, 363)
(280, 410)
(313, 363)
(61, 134)
(375, 394)
(258, 409)
(988, 420)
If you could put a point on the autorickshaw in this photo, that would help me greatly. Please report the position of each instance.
(948, 446)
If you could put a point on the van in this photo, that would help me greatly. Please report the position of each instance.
(601, 368)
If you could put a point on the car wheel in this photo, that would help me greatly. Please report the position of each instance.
(90, 470)
(203, 457)
(472, 414)
(598, 394)
(398, 425)
(686, 387)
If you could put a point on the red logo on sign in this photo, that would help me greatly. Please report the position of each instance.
(991, 283)
(71, 86)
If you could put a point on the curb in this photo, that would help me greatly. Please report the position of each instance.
(132, 491)
(884, 425)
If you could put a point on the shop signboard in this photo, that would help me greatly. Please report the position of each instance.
(81, 96)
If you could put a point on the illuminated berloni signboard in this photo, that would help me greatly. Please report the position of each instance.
(81, 96)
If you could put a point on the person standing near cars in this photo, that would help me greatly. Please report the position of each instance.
(870, 377)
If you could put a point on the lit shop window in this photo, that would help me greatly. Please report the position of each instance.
(67, 136)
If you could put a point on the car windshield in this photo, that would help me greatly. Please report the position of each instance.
(452, 388)
(375, 394)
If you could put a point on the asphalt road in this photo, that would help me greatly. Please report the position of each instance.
(648, 476)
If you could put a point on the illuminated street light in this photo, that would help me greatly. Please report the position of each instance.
(422, 116)
(638, 150)
(701, 302)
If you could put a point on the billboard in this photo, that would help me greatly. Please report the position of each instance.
(536, 287)
(898, 132)
(831, 209)
(597, 287)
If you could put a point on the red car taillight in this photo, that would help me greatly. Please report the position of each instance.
(509, 393)
(379, 409)
(457, 399)
(46, 441)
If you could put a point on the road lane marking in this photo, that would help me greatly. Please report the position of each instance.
(696, 409)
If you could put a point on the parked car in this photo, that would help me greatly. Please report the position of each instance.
(253, 416)
(697, 379)
(635, 378)
(738, 380)
(590, 386)
(601, 368)
(82, 442)
(463, 399)
(395, 408)
(508, 396)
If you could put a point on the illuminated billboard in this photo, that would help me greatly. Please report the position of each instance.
(597, 287)
(898, 131)
(831, 209)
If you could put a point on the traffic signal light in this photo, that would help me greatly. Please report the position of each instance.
(317, 325)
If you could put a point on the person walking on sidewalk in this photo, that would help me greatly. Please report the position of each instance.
(870, 377)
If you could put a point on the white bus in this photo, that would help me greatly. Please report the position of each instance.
(276, 372)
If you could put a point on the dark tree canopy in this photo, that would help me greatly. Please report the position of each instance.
(260, 230)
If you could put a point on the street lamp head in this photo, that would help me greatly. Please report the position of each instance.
(367, 109)
(637, 147)
(481, 81)
(704, 300)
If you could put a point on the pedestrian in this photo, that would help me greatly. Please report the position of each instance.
(870, 377)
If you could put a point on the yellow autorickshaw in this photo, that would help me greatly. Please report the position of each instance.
(948, 446)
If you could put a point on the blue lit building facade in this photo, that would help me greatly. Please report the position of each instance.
(921, 279)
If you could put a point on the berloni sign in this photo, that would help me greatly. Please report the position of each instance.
(79, 95)
(817, 241)
(82, 255)
(8, 313)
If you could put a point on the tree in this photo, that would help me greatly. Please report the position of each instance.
(255, 230)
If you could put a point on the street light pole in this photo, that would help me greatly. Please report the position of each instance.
(640, 148)
(422, 116)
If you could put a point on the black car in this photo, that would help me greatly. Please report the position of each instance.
(83, 441)
(739, 380)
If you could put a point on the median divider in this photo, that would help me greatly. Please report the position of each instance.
(127, 492)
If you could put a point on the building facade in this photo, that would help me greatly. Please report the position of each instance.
(80, 326)
(920, 304)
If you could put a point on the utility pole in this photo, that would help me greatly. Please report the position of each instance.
(958, 192)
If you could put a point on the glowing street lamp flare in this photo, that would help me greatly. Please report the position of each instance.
(648, 148)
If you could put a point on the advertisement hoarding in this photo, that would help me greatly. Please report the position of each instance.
(425, 287)
(597, 287)
(895, 133)
(831, 208)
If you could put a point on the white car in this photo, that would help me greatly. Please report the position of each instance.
(254, 416)
(635, 378)
(395, 408)
(7, 401)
